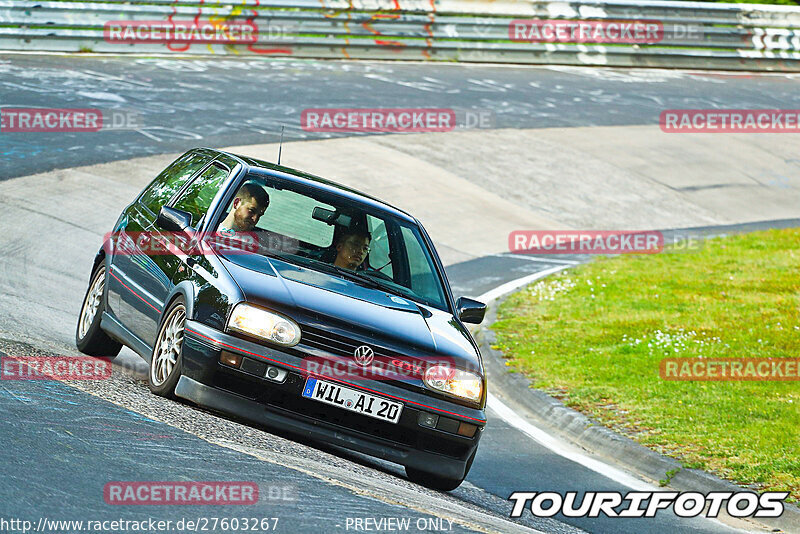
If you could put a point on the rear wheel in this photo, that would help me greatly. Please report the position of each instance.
(165, 363)
(89, 337)
(437, 482)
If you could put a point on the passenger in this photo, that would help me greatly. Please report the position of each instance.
(352, 248)
(249, 204)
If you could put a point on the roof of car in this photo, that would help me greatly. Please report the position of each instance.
(353, 194)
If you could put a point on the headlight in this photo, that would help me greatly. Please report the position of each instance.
(265, 325)
(454, 381)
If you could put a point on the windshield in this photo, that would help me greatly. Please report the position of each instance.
(331, 234)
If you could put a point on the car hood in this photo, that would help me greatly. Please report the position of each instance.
(341, 306)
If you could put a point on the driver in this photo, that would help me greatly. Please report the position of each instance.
(352, 248)
(249, 204)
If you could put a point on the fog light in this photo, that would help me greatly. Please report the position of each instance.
(230, 359)
(276, 374)
(427, 419)
(467, 429)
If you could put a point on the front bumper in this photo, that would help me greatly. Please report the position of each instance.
(207, 382)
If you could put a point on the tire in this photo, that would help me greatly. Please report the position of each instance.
(166, 360)
(89, 337)
(433, 481)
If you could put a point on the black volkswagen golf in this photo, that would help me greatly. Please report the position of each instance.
(297, 303)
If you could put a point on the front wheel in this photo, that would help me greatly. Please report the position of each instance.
(89, 337)
(165, 363)
(437, 482)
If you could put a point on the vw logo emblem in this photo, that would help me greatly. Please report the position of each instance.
(363, 355)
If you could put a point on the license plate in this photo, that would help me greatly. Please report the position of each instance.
(352, 400)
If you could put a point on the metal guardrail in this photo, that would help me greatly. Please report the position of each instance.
(691, 34)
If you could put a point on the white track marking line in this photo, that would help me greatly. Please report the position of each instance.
(560, 448)
(547, 440)
(535, 258)
(361, 484)
(508, 287)
(537, 434)
(529, 257)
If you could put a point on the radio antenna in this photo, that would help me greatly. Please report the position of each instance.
(280, 146)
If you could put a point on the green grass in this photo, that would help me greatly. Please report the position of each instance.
(594, 336)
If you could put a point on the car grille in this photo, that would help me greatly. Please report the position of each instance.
(335, 344)
(320, 341)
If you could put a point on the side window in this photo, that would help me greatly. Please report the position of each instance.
(379, 247)
(171, 180)
(198, 196)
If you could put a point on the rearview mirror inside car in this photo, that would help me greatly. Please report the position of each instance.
(470, 311)
(330, 216)
(173, 220)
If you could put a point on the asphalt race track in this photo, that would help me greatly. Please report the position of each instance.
(65, 443)
(225, 102)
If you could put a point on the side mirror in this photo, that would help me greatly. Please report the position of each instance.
(173, 220)
(470, 311)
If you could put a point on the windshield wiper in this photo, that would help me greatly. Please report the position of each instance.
(353, 275)
(345, 273)
(393, 288)
(377, 284)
